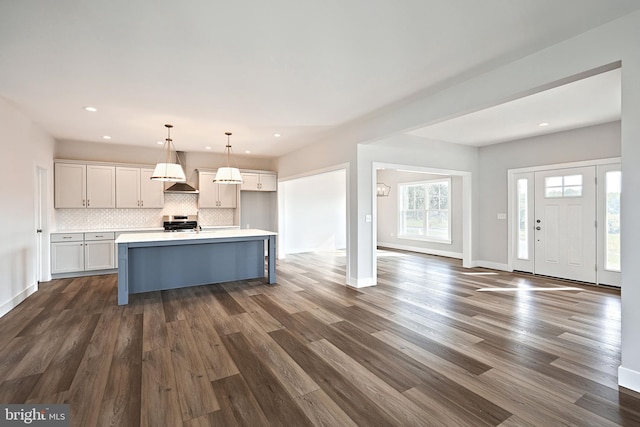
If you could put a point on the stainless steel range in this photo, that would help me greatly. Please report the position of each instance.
(180, 222)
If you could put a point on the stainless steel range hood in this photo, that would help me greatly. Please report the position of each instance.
(181, 187)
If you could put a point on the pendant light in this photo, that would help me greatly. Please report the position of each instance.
(168, 171)
(227, 174)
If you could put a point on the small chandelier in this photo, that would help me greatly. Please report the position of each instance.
(227, 174)
(382, 189)
(168, 171)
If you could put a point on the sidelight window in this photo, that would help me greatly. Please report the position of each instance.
(612, 241)
(523, 220)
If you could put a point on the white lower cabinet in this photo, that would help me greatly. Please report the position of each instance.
(77, 252)
(67, 254)
(99, 251)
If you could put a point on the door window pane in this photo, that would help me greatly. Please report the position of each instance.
(563, 186)
(613, 182)
(523, 220)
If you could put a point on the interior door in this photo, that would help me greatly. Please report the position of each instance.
(565, 223)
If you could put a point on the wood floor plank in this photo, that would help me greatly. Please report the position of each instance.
(323, 411)
(18, 390)
(278, 406)
(195, 393)
(160, 405)
(238, 404)
(402, 410)
(430, 381)
(40, 355)
(213, 353)
(122, 395)
(423, 347)
(92, 376)
(358, 405)
(154, 323)
(59, 374)
(293, 378)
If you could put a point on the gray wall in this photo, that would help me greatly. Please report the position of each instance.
(594, 142)
(259, 210)
(388, 208)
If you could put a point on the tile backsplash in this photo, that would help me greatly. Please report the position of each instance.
(108, 219)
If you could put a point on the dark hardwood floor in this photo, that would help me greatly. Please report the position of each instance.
(428, 346)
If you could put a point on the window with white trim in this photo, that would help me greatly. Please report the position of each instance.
(425, 210)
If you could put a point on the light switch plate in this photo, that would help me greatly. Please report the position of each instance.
(502, 216)
(368, 218)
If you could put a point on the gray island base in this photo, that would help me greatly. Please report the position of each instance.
(158, 261)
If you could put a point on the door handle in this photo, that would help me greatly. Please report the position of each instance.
(538, 228)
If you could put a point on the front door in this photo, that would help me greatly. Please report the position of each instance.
(565, 223)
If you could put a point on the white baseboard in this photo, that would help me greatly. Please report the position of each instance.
(13, 302)
(629, 379)
(491, 265)
(360, 283)
(83, 273)
(449, 254)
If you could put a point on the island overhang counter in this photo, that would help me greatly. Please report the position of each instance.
(158, 261)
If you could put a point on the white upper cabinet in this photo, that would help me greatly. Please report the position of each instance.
(101, 186)
(214, 195)
(151, 192)
(84, 186)
(135, 189)
(70, 185)
(127, 187)
(252, 181)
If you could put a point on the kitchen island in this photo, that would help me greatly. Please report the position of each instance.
(159, 261)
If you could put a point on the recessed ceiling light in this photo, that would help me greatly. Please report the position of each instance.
(277, 135)
(92, 109)
(106, 137)
(207, 148)
(247, 151)
(160, 142)
(543, 124)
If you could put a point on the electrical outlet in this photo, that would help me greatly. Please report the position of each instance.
(502, 216)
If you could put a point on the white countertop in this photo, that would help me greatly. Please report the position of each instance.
(138, 230)
(192, 235)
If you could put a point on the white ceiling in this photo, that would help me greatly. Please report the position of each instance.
(585, 102)
(255, 68)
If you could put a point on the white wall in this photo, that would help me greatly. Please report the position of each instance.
(590, 143)
(315, 211)
(25, 147)
(388, 208)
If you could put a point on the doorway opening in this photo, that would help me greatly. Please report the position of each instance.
(410, 227)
